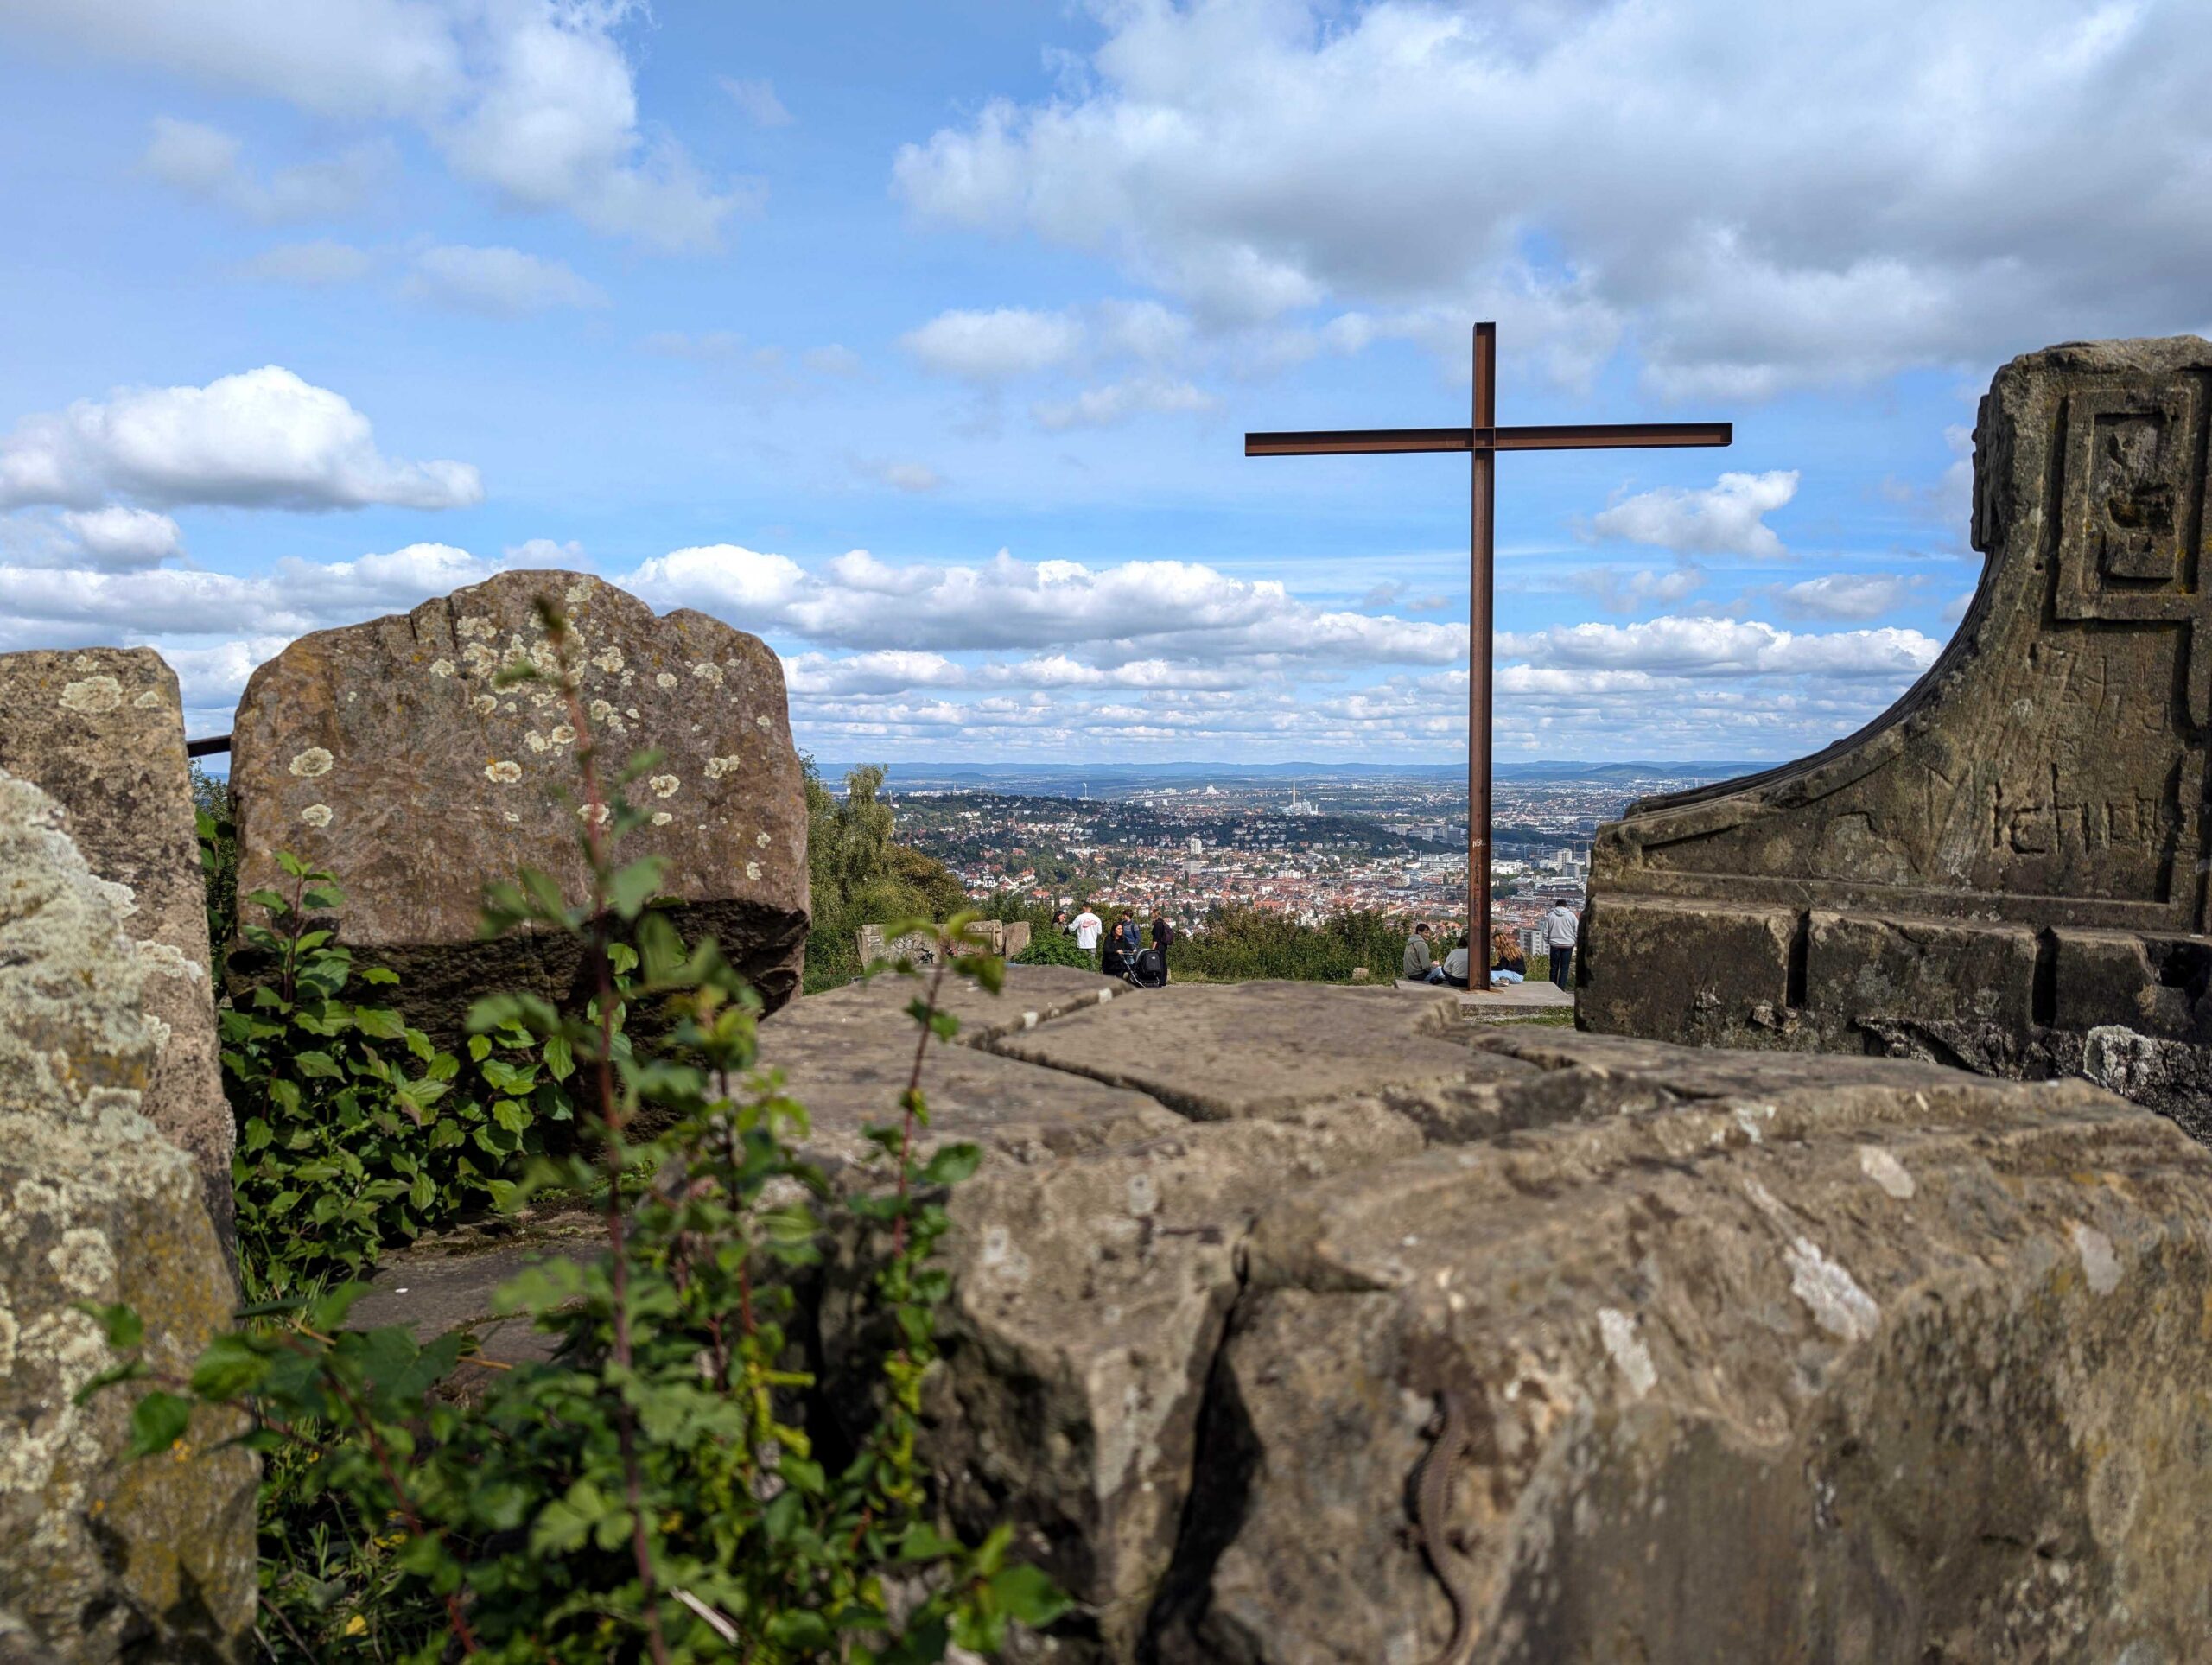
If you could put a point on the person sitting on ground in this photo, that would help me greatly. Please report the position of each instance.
(1455, 965)
(1420, 964)
(1507, 962)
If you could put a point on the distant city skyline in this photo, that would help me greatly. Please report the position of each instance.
(921, 341)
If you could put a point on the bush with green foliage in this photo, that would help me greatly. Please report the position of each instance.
(1049, 946)
(1236, 944)
(654, 1490)
(351, 1137)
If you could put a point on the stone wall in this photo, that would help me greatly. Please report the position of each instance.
(2007, 870)
(101, 731)
(391, 753)
(100, 1559)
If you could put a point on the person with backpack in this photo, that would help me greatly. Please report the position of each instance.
(1163, 938)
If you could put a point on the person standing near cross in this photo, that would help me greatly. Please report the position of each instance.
(1485, 438)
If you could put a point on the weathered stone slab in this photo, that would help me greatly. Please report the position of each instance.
(846, 1056)
(1221, 1051)
(388, 752)
(1960, 878)
(101, 731)
(100, 1559)
(1860, 1375)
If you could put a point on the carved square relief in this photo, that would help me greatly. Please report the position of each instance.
(2131, 506)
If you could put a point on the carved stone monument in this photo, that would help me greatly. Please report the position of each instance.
(990, 934)
(2007, 869)
(396, 754)
(101, 732)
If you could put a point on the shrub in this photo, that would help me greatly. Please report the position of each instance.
(1238, 944)
(350, 1136)
(1050, 947)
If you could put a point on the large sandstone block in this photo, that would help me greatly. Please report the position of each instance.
(101, 732)
(387, 753)
(99, 1559)
(2013, 855)
(1870, 1370)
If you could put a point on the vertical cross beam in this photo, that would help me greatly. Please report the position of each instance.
(1482, 548)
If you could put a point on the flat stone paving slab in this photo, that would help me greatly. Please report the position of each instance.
(1219, 1051)
(453, 1282)
(846, 1055)
(1033, 995)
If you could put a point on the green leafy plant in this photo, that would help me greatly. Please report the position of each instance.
(653, 1491)
(350, 1134)
(1050, 947)
(218, 855)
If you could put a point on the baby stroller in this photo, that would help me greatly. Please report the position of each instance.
(1146, 969)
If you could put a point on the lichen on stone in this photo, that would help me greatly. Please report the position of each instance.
(311, 763)
(92, 696)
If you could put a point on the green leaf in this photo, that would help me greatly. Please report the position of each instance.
(795, 1629)
(1029, 1596)
(157, 1422)
(379, 973)
(125, 1329)
(267, 898)
(229, 1368)
(421, 1193)
(560, 1058)
(322, 898)
(318, 1066)
(951, 1164)
(632, 886)
(379, 1021)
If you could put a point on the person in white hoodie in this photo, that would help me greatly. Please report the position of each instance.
(1086, 927)
(1560, 928)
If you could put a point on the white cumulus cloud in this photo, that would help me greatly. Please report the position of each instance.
(1838, 595)
(263, 438)
(1894, 184)
(1727, 517)
(1099, 407)
(497, 282)
(1673, 646)
(534, 100)
(991, 346)
(208, 163)
(117, 538)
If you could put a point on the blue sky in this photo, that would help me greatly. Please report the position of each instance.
(921, 340)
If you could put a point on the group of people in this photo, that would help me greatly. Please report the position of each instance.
(1124, 946)
(1561, 930)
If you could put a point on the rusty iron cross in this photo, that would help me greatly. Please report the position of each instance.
(1484, 439)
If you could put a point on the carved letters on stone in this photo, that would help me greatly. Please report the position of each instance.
(2016, 852)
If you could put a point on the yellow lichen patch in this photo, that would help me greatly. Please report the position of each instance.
(609, 659)
(442, 667)
(666, 679)
(485, 704)
(708, 672)
(562, 733)
(93, 695)
(761, 839)
(597, 814)
(664, 786)
(149, 701)
(316, 815)
(311, 763)
(717, 767)
(474, 626)
(535, 741)
(662, 818)
(766, 723)
(601, 710)
(753, 870)
(503, 771)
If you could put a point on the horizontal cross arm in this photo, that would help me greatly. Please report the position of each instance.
(1573, 436)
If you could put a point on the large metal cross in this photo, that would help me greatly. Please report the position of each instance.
(1484, 439)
